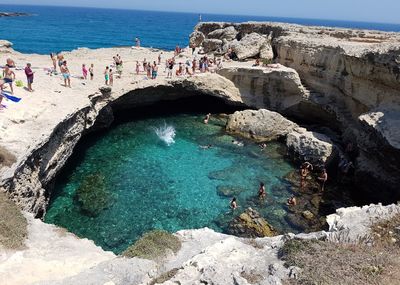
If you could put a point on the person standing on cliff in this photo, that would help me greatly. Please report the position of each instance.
(323, 178)
(91, 71)
(66, 74)
(9, 77)
(106, 75)
(29, 76)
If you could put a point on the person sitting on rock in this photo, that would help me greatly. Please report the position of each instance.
(261, 191)
(257, 63)
(323, 178)
(291, 201)
(233, 204)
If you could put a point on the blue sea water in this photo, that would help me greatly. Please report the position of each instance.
(155, 186)
(53, 29)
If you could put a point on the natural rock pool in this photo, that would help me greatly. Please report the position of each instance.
(129, 181)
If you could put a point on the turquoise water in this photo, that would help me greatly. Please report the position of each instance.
(155, 186)
(43, 32)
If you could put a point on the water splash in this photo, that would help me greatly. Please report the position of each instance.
(166, 133)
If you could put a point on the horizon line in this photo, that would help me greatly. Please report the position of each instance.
(202, 13)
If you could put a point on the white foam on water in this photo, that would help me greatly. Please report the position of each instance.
(166, 133)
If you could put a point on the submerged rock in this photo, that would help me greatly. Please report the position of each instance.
(93, 195)
(251, 224)
(229, 191)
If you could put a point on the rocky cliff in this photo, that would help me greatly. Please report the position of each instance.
(348, 79)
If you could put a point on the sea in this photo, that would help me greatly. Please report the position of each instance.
(54, 29)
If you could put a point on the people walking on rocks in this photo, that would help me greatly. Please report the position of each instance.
(107, 75)
(261, 191)
(9, 77)
(29, 76)
(66, 74)
(323, 178)
(91, 71)
(179, 71)
(84, 71)
(207, 118)
(233, 203)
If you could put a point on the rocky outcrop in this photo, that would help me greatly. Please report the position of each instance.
(248, 46)
(345, 73)
(310, 146)
(264, 125)
(274, 87)
(55, 257)
(261, 125)
(250, 224)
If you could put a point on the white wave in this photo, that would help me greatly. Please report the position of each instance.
(166, 133)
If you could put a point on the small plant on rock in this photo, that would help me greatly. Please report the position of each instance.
(153, 245)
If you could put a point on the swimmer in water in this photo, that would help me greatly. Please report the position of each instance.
(206, 146)
(233, 203)
(291, 201)
(207, 118)
(261, 191)
(238, 143)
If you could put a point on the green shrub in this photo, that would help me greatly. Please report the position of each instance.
(266, 61)
(13, 225)
(93, 195)
(153, 245)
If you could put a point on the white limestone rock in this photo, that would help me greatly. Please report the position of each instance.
(310, 146)
(228, 33)
(249, 46)
(261, 125)
(211, 45)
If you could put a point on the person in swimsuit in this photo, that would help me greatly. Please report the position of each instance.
(137, 42)
(91, 71)
(106, 75)
(10, 63)
(291, 201)
(9, 77)
(261, 191)
(54, 61)
(148, 68)
(66, 74)
(159, 58)
(84, 71)
(137, 67)
(233, 204)
(171, 64)
(207, 118)
(194, 65)
(144, 65)
(111, 77)
(154, 71)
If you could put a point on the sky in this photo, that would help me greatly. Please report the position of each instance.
(381, 11)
